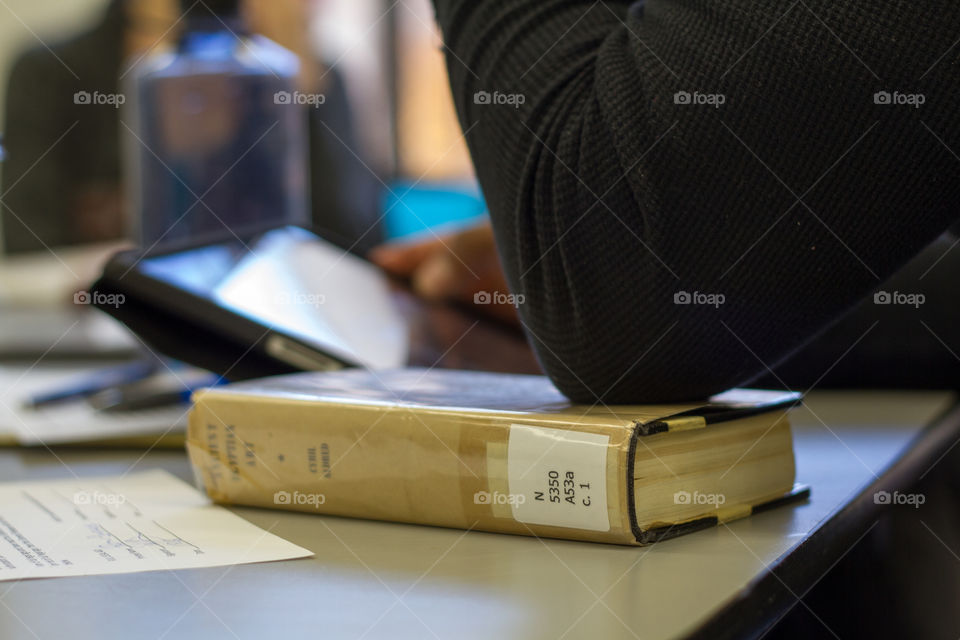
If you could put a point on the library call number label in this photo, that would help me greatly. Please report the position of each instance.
(562, 476)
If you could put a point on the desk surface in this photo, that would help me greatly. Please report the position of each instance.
(372, 580)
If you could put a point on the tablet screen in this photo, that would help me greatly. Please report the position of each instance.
(293, 282)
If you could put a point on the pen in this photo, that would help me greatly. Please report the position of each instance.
(142, 395)
(108, 402)
(94, 382)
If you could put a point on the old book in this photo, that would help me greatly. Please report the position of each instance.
(491, 452)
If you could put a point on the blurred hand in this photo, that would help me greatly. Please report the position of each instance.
(461, 267)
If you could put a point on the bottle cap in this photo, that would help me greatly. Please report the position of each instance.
(209, 8)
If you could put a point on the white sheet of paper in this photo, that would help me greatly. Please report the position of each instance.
(146, 521)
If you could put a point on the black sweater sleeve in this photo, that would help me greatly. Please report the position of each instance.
(768, 163)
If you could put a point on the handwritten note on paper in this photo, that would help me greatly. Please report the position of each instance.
(142, 522)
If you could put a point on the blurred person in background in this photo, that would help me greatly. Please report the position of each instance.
(62, 177)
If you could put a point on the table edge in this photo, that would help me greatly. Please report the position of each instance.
(768, 598)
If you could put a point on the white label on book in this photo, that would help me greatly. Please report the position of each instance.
(558, 477)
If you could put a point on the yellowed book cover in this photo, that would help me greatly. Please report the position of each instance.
(491, 452)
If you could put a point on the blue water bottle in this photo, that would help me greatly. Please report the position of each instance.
(217, 147)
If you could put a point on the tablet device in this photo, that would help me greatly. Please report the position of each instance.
(281, 301)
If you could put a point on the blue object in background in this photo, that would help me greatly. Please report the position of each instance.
(411, 209)
(220, 132)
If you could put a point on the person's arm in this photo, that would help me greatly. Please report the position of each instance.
(611, 195)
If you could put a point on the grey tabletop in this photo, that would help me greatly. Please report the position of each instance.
(374, 579)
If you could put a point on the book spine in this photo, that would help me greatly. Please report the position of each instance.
(503, 473)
